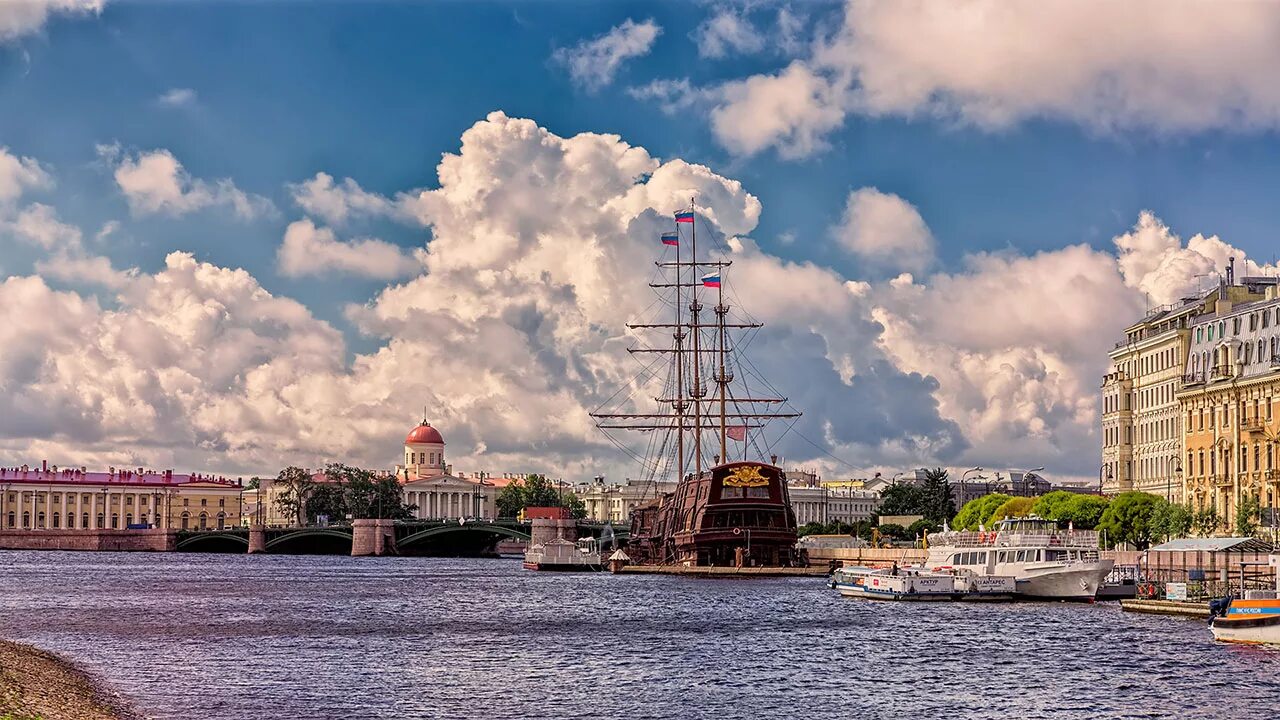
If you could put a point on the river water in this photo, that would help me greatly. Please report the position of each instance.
(283, 637)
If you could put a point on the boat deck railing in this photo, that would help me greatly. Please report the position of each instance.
(1083, 539)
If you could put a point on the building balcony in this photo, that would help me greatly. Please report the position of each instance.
(1252, 425)
(1275, 360)
(1221, 480)
(1272, 475)
(1196, 378)
(1220, 372)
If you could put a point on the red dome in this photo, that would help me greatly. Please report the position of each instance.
(424, 433)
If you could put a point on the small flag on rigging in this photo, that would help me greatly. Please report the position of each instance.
(711, 280)
(670, 239)
(684, 216)
(736, 432)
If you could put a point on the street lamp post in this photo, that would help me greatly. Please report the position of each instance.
(1025, 475)
(963, 493)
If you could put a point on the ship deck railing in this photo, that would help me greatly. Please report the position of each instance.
(1084, 539)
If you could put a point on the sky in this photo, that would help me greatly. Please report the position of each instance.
(236, 236)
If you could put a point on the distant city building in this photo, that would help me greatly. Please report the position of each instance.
(56, 498)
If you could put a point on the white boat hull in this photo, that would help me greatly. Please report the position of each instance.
(1269, 635)
(1074, 581)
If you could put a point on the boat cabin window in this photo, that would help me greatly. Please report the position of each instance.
(758, 492)
(730, 492)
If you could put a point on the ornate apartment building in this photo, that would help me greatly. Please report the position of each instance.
(1187, 403)
(1140, 425)
(1228, 400)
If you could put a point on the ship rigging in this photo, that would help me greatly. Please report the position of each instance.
(723, 511)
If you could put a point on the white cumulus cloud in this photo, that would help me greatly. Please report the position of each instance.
(309, 250)
(21, 17)
(336, 202)
(177, 98)
(727, 31)
(19, 174)
(156, 183)
(885, 231)
(593, 63)
(1104, 65)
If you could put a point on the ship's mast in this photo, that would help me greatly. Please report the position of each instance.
(746, 410)
(697, 392)
(680, 403)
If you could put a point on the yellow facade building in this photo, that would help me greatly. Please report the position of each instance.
(1228, 402)
(50, 498)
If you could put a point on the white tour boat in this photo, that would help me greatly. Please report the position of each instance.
(1046, 561)
(912, 583)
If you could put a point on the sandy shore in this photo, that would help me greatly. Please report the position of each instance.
(37, 685)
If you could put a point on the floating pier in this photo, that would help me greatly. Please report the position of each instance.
(722, 572)
(1167, 607)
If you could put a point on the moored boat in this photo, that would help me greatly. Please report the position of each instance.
(1046, 561)
(1254, 620)
(915, 584)
(564, 556)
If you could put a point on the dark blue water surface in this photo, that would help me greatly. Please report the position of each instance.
(237, 637)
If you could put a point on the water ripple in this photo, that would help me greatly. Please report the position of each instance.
(243, 638)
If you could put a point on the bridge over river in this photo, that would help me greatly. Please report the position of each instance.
(473, 538)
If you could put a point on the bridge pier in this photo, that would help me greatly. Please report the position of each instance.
(543, 530)
(257, 539)
(373, 537)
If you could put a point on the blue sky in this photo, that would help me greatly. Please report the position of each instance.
(378, 92)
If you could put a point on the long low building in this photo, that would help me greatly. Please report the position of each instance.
(76, 499)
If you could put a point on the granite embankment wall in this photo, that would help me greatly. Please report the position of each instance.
(872, 557)
(118, 540)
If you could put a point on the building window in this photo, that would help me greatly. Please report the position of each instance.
(222, 502)
(185, 501)
(115, 521)
(128, 520)
(222, 521)
(71, 521)
(84, 521)
(102, 521)
(186, 521)
(204, 521)
(204, 502)
(128, 500)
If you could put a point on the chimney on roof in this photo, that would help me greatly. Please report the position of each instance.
(1231, 270)
(44, 466)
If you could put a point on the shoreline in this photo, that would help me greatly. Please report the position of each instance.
(39, 685)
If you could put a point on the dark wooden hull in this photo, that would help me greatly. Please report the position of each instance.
(733, 514)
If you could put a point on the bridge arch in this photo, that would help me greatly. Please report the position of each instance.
(329, 541)
(213, 542)
(447, 529)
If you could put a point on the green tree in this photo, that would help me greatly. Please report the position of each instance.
(295, 487)
(329, 500)
(937, 502)
(1248, 514)
(922, 527)
(536, 491)
(1083, 511)
(1206, 521)
(894, 531)
(1129, 519)
(976, 511)
(1014, 507)
(1050, 506)
(902, 499)
(1169, 520)
(254, 484)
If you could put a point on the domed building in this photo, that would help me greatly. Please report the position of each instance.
(430, 483)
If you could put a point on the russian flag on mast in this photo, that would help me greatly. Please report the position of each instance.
(670, 239)
(685, 216)
(711, 280)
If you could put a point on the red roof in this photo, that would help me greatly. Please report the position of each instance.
(424, 433)
(146, 478)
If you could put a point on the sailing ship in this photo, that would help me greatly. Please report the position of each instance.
(723, 511)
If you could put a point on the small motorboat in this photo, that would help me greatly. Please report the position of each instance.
(1254, 620)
